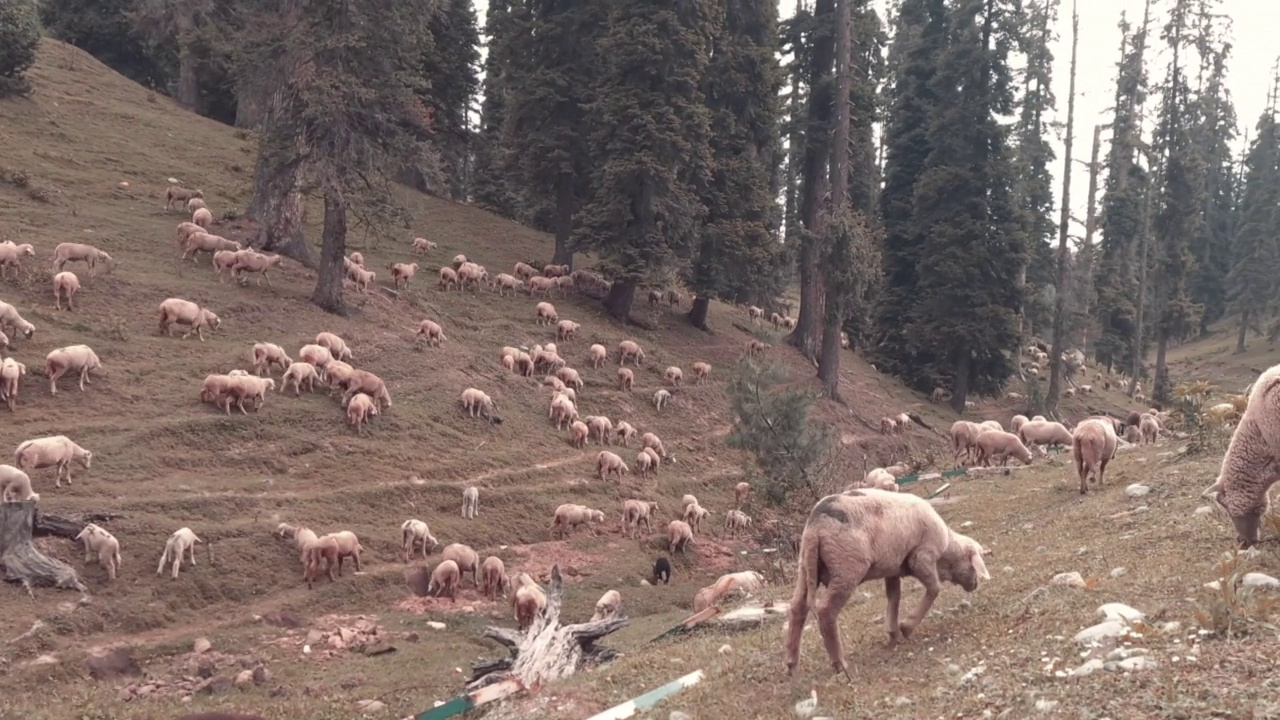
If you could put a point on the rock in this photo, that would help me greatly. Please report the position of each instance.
(261, 675)
(278, 691)
(412, 637)
(347, 634)
(369, 707)
(644, 583)
(114, 663)
(216, 685)
(380, 648)
(1171, 628)
(243, 678)
(1086, 669)
(335, 642)
(284, 619)
(313, 689)
(1101, 631)
(1124, 653)
(725, 649)
(972, 674)
(1045, 705)
(314, 637)
(1118, 572)
(434, 625)
(1042, 549)
(146, 690)
(125, 694)
(1120, 611)
(1214, 585)
(206, 668)
(677, 715)
(202, 645)
(1203, 510)
(1137, 662)
(1259, 580)
(1068, 579)
(1137, 490)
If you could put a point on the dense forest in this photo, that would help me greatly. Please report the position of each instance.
(894, 169)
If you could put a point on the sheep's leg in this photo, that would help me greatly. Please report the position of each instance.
(53, 380)
(192, 550)
(266, 277)
(893, 602)
(828, 612)
(1102, 470)
(84, 376)
(163, 558)
(926, 571)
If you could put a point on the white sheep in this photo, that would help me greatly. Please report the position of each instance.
(432, 330)
(415, 532)
(402, 273)
(999, 445)
(626, 378)
(607, 606)
(336, 345)
(478, 403)
(736, 521)
(630, 349)
(302, 375)
(700, 372)
(635, 512)
(201, 241)
(73, 358)
(569, 516)
(562, 411)
(181, 541)
(679, 535)
(608, 463)
(673, 375)
(78, 252)
(180, 195)
(266, 354)
(57, 451)
(15, 485)
(623, 432)
(360, 409)
(470, 502)
(597, 354)
(601, 427)
(422, 245)
(10, 319)
(256, 262)
(444, 580)
(651, 440)
(661, 398)
(493, 578)
(528, 600)
(363, 381)
(567, 329)
(317, 355)
(65, 284)
(176, 311)
(448, 278)
(1247, 472)
(11, 256)
(104, 545)
(694, 514)
(546, 313)
(1093, 446)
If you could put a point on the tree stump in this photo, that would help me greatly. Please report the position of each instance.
(547, 651)
(67, 526)
(22, 562)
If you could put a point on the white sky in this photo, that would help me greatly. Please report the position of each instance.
(1254, 52)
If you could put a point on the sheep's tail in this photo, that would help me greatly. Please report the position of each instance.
(807, 579)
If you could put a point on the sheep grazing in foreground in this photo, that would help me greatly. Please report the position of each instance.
(478, 403)
(873, 535)
(504, 282)
(363, 381)
(597, 354)
(569, 516)
(15, 485)
(626, 379)
(1045, 432)
(630, 349)
(1093, 446)
(650, 440)
(1150, 429)
(578, 432)
(569, 376)
(245, 387)
(679, 535)
(303, 376)
(662, 571)
(56, 451)
(73, 252)
(1017, 422)
(73, 358)
(176, 311)
(608, 463)
(466, 558)
(563, 412)
(300, 535)
(180, 195)
(493, 578)
(402, 273)
(601, 427)
(181, 541)
(420, 246)
(736, 521)
(635, 512)
(444, 580)
(433, 332)
(360, 409)
(65, 284)
(100, 543)
(1246, 474)
(416, 533)
(661, 398)
(10, 371)
(607, 606)
(528, 601)
(11, 256)
(10, 319)
(994, 445)
(645, 463)
(700, 372)
(470, 502)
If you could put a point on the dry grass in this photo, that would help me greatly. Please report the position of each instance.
(166, 461)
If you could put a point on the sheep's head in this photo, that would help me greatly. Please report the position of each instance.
(26, 249)
(962, 563)
(28, 330)
(210, 319)
(86, 459)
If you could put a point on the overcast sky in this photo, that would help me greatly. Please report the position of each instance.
(1254, 24)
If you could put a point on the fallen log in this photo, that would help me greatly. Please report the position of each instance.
(547, 651)
(22, 562)
(67, 526)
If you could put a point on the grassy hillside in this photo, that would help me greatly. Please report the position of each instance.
(163, 460)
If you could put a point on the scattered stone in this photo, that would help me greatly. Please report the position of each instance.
(369, 707)
(677, 715)
(347, 635)
(380, 648)
(206, 668)
(901, 701)
(1087, 669)
(1257, 579)
(725, 649)
(278, 691)
(1137, 662)
(202, 645)
(1042, 549)
(261, 675)
(45, 659)
(314, 637)
(1137, 490)
(1118, 572)
(1120, 611)
(1101, 631)
(972, 674)
(243, 678)
(285, 619)
(216, 685)
(1203, 510)
(1171, 627)
(335, 642)
(1046, 705)
(125, 694)
(434, 625)
(1124, 653)
(1068, 579)
(114, 663)
(1008, 568)
(966, 524)
(412, 637)
(1214, 585)
(644, 583)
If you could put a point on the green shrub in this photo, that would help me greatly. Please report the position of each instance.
(19, 37)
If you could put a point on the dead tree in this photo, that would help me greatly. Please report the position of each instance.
(22, 562)
(547, 651)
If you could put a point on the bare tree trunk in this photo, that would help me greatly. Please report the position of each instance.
(328, 293)
(1064, 222)
(829, 358)
(22, 562)
(620, 298)
(1244, 328)
(566, 205)
(1136, 341)
(697, 314)
(188, 79)
(1090, 228)
(960, 389)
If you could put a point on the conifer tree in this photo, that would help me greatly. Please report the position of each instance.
(451, 68)
(1252, 287)
(491, 186)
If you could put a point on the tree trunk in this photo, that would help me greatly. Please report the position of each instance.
(188, 79)
(829, 357)
(278, 208)
(829, 363)
(1161, 391)
(1064, 222)
(697, 314)
(547, 651)
(328, 294)
(22, 562)
(67, 526)
(565, 208)
(1135, 367)
(1244, 328)
(621, 295)
(960, 386)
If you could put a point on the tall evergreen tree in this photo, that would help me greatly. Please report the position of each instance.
(1253, 291)
(737, 254)
(793, 40)
(1063, 254)
(452, 68)
(650, 134)
(491, 186)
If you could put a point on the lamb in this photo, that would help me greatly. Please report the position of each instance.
(15, 485)
(267, 354)
(422, 245)
(1247, 474)
(1045, 432)
(476, 402)
(444, 580)
(597, 354)
(432, 330)
(673, 375)
(402, 273)
(470, 502)
(630, 349)
(181, 541)
(679, 535)
(607, 606)
(661, 398)
(694, 515)
(999, 445)
(71, 252)
(528, 601)
(201, 241)
(872, 535)
(65, 284)
(1093, 446)
(363, 381)
(569, 516)
(360, 409)
(700, 372)
(635, 512)
(1017, 422)
(626, 378)
(302, 375)
(361, 277)
(546, 313)
(73, 358)
(415, 532)
(740, 492)
(180, 195)
(57, 451)
(493, 575)
(466, 558)
(578, 433)
(1150, 429)
(608, 463)
(448, 277)
(736, 520)
(176, 311)
(11, 256)
(756, 348)
(103, 544)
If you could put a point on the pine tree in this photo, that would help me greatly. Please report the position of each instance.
(451, 68)
(793, 40)
(491, 186)
(650, 136)
(737, 254)
(1063, 255)
(1251, 283)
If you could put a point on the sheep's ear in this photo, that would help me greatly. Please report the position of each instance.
(1213, 490)
(979, 565)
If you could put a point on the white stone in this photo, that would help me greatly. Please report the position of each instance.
(1137, 662)
(202, 645)
(369, 707)
(1124, 653)
(1118, 572)
(1045, 705)
(677, 715)
(1257, 579)
(1120, 611)
(1068, 579)
(434, 625)
(1136, 490)
(1088, 668)
(1215, 585)
(1101, 631)
(1008, 568)
(725, 649)
(1203, 510)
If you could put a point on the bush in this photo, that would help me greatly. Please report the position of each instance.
(19, 38)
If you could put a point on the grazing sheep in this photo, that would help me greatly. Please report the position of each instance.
(756, 314)
(348, 546)
(470, 502)
(360, 277)
(472, 275)
(195, 204)
(78, 252)
(888, 426)
(185, 228)
(73, 358)
(267, 354)
(433, 332)
(578, 433)
(601, 427)
(1246, 474)
(673, 375)
(302, 375)
(542, 285)
(11, 256)
(360, 409)
(597, 354)
(402, 273)
(504, 282)
(12, 320)
(57, 451)
(756, 348)
(881, 479)
(662, 571)
(1150, 429)
(201, 241)
(687, 500)
(336, 346)
(477, 403)
(608, 463)
(180, 195)
(555, 271)
(1017, 422)
(679, 535)
(569, 516)
(316, 550)
(735, 521)
(630, 349)
(65, 284)
(644, 463)
(569, 376)
(468, 560)
(104, 545)
(416, 533)
(1093, 446)
(740, 493)
(1045, 432)
(635, 512)
(448, 277)
(528, 601)
(999, 445)
(700, 372)
(249, 261)
(300, 535)
(567, 329)
(546, 313)
(181, 541)
(650, 440)
(607, 606)
(623, 432)
(562, 411)
(661, 398)
(694, 514)
(175, 311)
(444, 580)
(247, 387)
(422, 245)
(493, 576)
(10, 371)
(626, 378)
(363, 381)
(15, 485)
(872, 535)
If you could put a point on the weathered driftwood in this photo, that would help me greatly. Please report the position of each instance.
(67, 526)
(22, 562)
(547, 651)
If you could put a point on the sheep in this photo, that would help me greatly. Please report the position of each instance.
(601, 427)
(679, 535)
(176, 311)
(608, 463)
(1093, 446)
(244, 387)
(402, 273)
(756, 348)
(938, 395)
(422, 245)
(472, 275)
(11, 256)
(872, 535)
(563, 412)
(528, 601)
(555, 271)
(578, 432)
(661, 398)
(444, 580)
(626, 378)
(888, 426)
(986, 425)
(470, 502)
(623, 432)
(78, 358)
(415, 532)
(363, 381)
(999, 445)
(687, 500)
(185, 228)
(1150, 429)
(630, 349)
(694, 514)
(963, 433)
(570, 377)
(183, 540)
(736, 520)
(300, 535)
(433, 332)
(524, 271)
(476, 402)
(348, 546)
(302, 375)
(504, 282)
(1222, 413)
(201, 241)
(65, 284)
(195, 204)
(644, 463)
(72, 252)
(635, 512)
(740, 493)
(56, 451)
(360, 409)
(662, 571)
(650, 440)
(493, 575)
(700, 372)
(569, 516)
(466, 558)
(607, 606)
(881, 479)
(756, 314)
(448, 278)
(15, 485)
(673, 375)
(255, 262)
(1017, 422)
(267, 354)
(1045, 432)
(1246, 475)
(103, 544)
(179, 194)
(546, 313)
(316, 550)
(336, 346)
(336, 373)
(541, 285)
